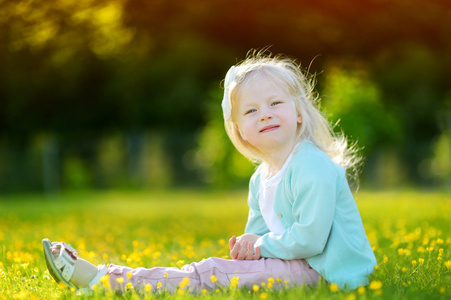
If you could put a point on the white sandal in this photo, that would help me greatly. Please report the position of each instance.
(62, 267)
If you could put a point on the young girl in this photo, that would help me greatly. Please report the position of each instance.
(303, 222)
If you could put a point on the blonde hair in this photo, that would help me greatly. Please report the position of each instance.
(314, 127)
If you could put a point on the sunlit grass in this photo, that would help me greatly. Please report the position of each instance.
(409, 231)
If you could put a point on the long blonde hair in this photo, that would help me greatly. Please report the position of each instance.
(314, 127)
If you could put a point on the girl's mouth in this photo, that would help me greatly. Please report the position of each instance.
(269, 128)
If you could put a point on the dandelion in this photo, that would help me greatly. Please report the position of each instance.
(263, 284)
(148, 287)
(184, 282)
(180, 263)
(448, 264)
(165, 275)
(105, 280)
(234, 282)
(414, 263)
(270, 280)
(129, 275)
(213, 278)
(375, 285)
(120, 280)
(204, 291)
(334, 287)
(361, 290)
(421, 260)
(255, 288)
(404, 269)
(385, 259)
(420, 249)
(439, 241)
(270, 284)
(94, 287)
(442, 290)
(351, 297)
(73, 290)
(180, 292)
(263, 296)
(278, 280)
(158, 285)
(376, 267)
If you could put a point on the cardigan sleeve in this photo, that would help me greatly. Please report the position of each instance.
(312, 188)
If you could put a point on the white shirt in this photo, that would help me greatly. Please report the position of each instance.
(267, 191)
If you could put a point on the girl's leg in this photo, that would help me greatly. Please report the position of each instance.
(248, 272)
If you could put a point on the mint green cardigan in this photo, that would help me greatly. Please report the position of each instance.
(321, 220)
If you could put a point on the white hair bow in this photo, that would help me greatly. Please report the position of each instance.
(228, 83)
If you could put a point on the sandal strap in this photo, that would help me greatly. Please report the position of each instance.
(66, 260)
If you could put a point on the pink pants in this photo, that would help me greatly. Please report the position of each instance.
(249, 272)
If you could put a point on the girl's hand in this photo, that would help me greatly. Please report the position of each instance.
(243, 249)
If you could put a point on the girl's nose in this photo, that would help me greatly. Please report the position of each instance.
(266, 114)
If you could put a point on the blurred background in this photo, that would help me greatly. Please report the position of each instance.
(125, 94)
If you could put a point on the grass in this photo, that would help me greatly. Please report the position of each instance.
(409, 231)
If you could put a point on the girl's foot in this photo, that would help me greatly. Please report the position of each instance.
(65, 266)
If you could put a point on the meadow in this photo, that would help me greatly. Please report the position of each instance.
(408, 230)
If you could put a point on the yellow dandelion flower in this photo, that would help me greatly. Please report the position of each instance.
(376, 267)
(385, 259)
(440, 251)
(221, 242)
(165, 274)
(94, 287)
(361, 290)
(217, 291)
(105, 256)
(184, 282)
(129, 275)
(148, 287)
(270, 280)
(270, 284)
(204, 291)
(351, 297)
(414, 263)
(263, 284)
(285, 282)
(439, 241)
(234, 282)
(263, 296)
(400, 251)
(404, 269)
(73, 290)
(278, 280)
(129, 285)
(421, 260)
(448, 264)
(429, 249)
(159, 285)
(375, 285)
(180, 263)
(213, 278)
(420, 249)
(442, 290)
(255, 288)
(180, 292)
(334, 287)
(120, 280)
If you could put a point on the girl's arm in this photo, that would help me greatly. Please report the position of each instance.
(309, 222)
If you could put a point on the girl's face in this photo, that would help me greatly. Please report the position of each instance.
(266, 115)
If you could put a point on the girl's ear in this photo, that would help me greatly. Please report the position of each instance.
(299, 118)
(239, 132)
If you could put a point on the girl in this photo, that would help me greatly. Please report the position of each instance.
(303, 222)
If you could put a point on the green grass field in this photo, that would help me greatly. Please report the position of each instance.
(409, 232)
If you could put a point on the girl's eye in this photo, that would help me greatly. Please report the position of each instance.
(276, 102)
(250, 111)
